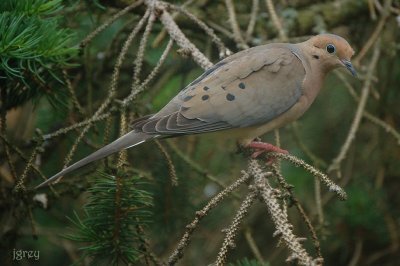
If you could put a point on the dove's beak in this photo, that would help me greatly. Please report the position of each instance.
(349, 67)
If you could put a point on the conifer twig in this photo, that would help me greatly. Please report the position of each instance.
(113, 86)
(178, 252)
(295, 201)
(374, 119)
(335, 164)
(275, 20)
(231, 232)
(283, 227)
(180, 38)
(253, 19)
(237, 35)
(223, 51)
(111, 20)
(171, 167)
(312, 170)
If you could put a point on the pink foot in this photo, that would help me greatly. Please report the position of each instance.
(262, 147)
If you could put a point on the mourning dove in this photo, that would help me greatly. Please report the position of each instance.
(250, 93)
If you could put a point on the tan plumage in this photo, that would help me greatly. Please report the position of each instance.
(251, 92)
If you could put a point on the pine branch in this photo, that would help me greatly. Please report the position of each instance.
(108, 237)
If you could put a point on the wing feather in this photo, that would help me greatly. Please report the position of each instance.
(250, 88)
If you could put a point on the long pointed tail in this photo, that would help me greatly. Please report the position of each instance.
(126, 141)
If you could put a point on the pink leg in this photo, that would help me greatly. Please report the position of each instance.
(262, 147)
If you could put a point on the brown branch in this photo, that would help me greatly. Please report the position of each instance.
(111, 20)
(374, 36)
(178, 252)
(3, 132)
(253, 19)
(223, 51)
(282, 225)
(113, 86)
(379, 122)
(150, 77)
(180, 38)
(231, 232)
(122, 155)
(295, 201)
(253, 246)
(315, 172)
(275, 20)
(194, 165)
(72, 93)
(234, 25)
(171, 167)
(335, 164)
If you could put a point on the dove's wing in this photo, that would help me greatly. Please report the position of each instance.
(250, 88)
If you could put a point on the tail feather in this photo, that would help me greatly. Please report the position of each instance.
(129, 140)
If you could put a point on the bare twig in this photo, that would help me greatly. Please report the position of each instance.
(231, 232)
(317, 161)
(318, 200)
(136, 90)
(113, 86)
(275, 20)
(374, 36)
(294, 200)
(253, 19)
(237, 35)
(3, 132)
(65, 130)
(223, 51)
(103, 26)
(21, 181)
(140, 54)
(335, 164)
(22, 156)
(161, 35)
(180, 38)
(253, 246)
(283, 227)
(178, 252)
(171, 167)
(194, 165)
(122, 155)
(357, 253)
(72, 93)
(388, 128)
(315, 172)
(379, 122)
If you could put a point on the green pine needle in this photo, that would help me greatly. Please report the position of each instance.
(33, 49)
(109, 228)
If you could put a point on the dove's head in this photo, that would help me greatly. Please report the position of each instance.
(332, 51)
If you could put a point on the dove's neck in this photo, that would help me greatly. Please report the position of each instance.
(315, 74)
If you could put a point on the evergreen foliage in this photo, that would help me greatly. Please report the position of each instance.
(33, 48)
(115, 211)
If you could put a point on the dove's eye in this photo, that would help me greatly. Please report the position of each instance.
(330, 48)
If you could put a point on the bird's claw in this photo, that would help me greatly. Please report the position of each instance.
(262, 147)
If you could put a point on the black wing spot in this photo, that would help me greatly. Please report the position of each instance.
(207, 72)
(242, 86)
(230, 97)
(187, 98)
(205, 97)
